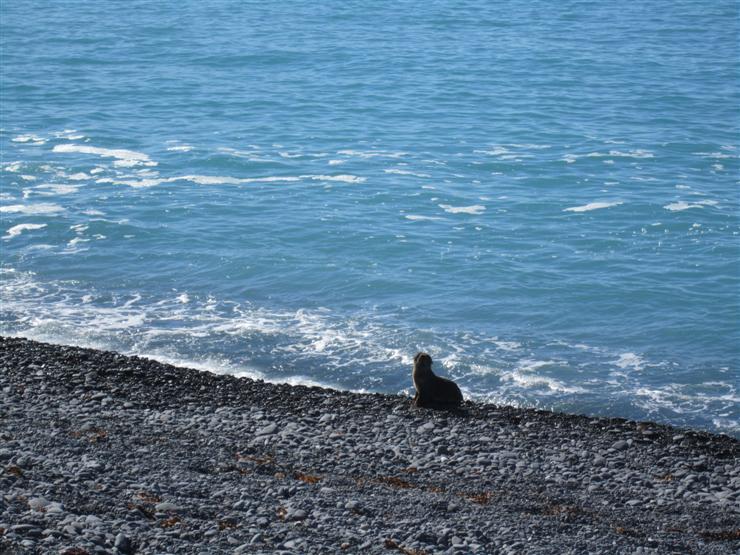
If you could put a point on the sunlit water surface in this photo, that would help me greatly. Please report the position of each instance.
(541, 195)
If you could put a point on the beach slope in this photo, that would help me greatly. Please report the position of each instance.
(104, 453)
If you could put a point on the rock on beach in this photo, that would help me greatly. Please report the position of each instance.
(104, 453)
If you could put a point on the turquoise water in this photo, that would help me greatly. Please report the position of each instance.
(541, 195)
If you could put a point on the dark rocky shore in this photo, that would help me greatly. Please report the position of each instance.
(102, 453)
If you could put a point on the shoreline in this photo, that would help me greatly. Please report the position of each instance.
(301, 379)
(114, 454)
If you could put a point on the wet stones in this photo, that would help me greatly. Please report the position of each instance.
(106, 454)
(123, 544)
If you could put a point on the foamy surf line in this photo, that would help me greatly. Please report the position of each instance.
(209, 364)
(525, 386)
(592, 206)
(31, 209)
(228, 180)
(473, 210)
(529, 384)
(219, 368)
(323, 347)
(680, 206)
(123, 157)
(16, 230)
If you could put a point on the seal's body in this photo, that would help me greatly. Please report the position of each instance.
(431, 390)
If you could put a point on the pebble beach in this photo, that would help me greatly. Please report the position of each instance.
(104, 453)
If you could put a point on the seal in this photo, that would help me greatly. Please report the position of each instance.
(433, 391)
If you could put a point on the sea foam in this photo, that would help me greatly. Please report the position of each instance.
(591, 206)
(20, 228)
(31, 209)
(124, 157)
(398, 171)
(228, 180)
(29, 138)
(681, 205)
(475, 209)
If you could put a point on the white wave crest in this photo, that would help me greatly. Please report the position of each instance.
(637, 153)
(41, 208)
(398, 171)
(371, 154)
(714, 155)
(475, 209)
(346, 178)
(228, 180)
(50, 189)
(525, 378)
(630, 360)
(68, 134)
(29, 138)
(124, 157)
(417, 218)
(20, 228)
(681, 205)
(592, 206)
(13, 167)
(202, 179)
(495, 151)
(507, 345)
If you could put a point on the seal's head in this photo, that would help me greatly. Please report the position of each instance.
(422, 364)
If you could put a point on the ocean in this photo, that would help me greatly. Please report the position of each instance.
(543, 196)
